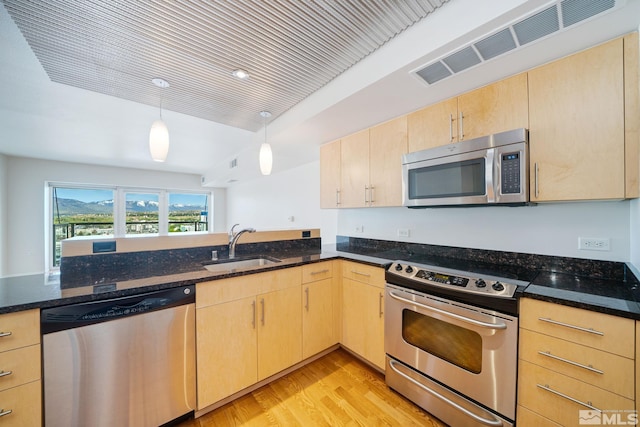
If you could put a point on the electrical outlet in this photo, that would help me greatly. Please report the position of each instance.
(360, 229)
(403, 232)
(593, 244)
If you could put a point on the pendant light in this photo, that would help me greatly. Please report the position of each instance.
(266, 156)
(159, 133)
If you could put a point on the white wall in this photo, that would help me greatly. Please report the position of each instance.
(3, 212)
(269, 201)
(24, 240)
(546, 229)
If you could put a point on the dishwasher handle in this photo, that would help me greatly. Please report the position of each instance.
(65, 317)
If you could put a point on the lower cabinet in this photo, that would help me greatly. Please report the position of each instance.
(247, 329)
(574, 366)
(20, 369)
(363, 311)
(319, 289)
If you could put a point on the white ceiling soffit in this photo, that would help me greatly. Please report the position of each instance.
(290, 48)
(533, 27)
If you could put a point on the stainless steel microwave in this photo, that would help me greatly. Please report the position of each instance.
(491, 170)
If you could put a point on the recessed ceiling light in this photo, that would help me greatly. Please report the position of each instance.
(240, 74)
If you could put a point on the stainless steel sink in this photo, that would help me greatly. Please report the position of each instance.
(241, 264)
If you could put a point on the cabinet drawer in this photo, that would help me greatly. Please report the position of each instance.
(23, 365)
(527, 418)
(317, 271)
(598, 330)
(599, 368)
(363, 273)
(23, 327)
(556, 402)
(235, 288)
(25, 404)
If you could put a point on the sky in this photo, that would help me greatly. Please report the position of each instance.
(93, 195)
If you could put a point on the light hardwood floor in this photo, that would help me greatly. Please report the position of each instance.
(336, 390)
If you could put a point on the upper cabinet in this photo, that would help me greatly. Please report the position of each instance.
(498, 107)
(387, 144)
(330, 175)
(583, 116)
(354, 162)
(577, 126)
(364, 169)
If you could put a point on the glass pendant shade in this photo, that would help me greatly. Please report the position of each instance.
(266, 159)
(159, 141)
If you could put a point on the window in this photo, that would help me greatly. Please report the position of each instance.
(142, 213)
(111, 211)
(80, 212)
(188, 212)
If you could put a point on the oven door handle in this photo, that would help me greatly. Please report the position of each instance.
(453, 315)
(493, 422)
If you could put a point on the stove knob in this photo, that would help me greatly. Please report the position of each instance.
(398, 267)
(408, 269)
(498, 286)
(481, 283)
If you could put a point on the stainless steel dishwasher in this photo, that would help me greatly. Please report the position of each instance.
(122, 362)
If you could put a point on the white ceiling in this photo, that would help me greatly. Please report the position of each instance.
(43, 119)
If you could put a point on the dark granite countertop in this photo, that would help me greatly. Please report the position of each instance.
(602, 286)
(44, 290)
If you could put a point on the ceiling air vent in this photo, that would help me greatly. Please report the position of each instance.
(531, 28)
(537, 26)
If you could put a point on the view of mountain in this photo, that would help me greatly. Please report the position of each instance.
(71, 207)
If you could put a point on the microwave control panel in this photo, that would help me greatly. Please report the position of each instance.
(510, 176)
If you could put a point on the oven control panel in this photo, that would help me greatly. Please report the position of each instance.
(464, 282)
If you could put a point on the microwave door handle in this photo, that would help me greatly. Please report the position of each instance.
(489, 173)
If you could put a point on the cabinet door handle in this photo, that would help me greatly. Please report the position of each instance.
(337, 197)
(570, 362)
(5, 334)
(371, 195)
(5, 373)
(361, 274)
(461, 136)
(450, 127)
(313, 273)
(306, 305)
(574, 400)
(262, 304)
(535, 179)
(3, 412)
(253, 306)
(566, 325)
(366, 191)
(380, 312)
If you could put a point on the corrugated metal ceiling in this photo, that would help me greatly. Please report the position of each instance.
(291, 48)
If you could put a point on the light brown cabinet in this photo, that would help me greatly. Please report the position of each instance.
(20, 364)
(577, 125)
(354, 170)
(318, 312)
(363, 311)
(364, 169)
(494, 108)
(572, 359)
(242, 325)
(330, 175)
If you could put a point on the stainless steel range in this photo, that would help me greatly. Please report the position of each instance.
(451, 339)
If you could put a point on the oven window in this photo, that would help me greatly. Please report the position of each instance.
(455, 179)
(456, 345)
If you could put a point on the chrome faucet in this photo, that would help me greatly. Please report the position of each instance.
(233, 238)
